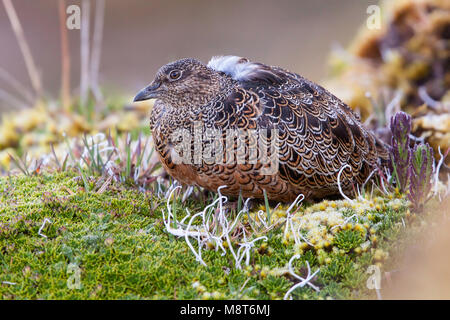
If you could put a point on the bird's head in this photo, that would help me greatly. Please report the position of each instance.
(183, 83)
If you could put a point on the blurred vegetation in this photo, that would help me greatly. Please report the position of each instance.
(42, 123)
(31, 132)
(404, 65)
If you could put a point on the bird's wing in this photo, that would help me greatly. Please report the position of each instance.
(318, 133)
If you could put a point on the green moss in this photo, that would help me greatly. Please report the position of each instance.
(348, 239)
(116, 244)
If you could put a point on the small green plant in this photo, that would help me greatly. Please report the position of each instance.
(413, 168)
(421, 174)
(401, 152)
(348, 239)
(25, 167)
(266, 202)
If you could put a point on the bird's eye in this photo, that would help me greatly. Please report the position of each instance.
(175, 74)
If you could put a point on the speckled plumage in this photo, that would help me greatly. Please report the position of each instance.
(318, 133)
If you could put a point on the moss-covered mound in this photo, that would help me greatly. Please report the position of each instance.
(59, 242)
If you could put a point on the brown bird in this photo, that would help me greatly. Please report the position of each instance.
(293, 136)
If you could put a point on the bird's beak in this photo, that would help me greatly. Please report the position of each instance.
(149, 92)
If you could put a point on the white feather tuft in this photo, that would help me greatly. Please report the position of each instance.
(238, 68)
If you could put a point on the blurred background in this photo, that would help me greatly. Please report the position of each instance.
(140, 36)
